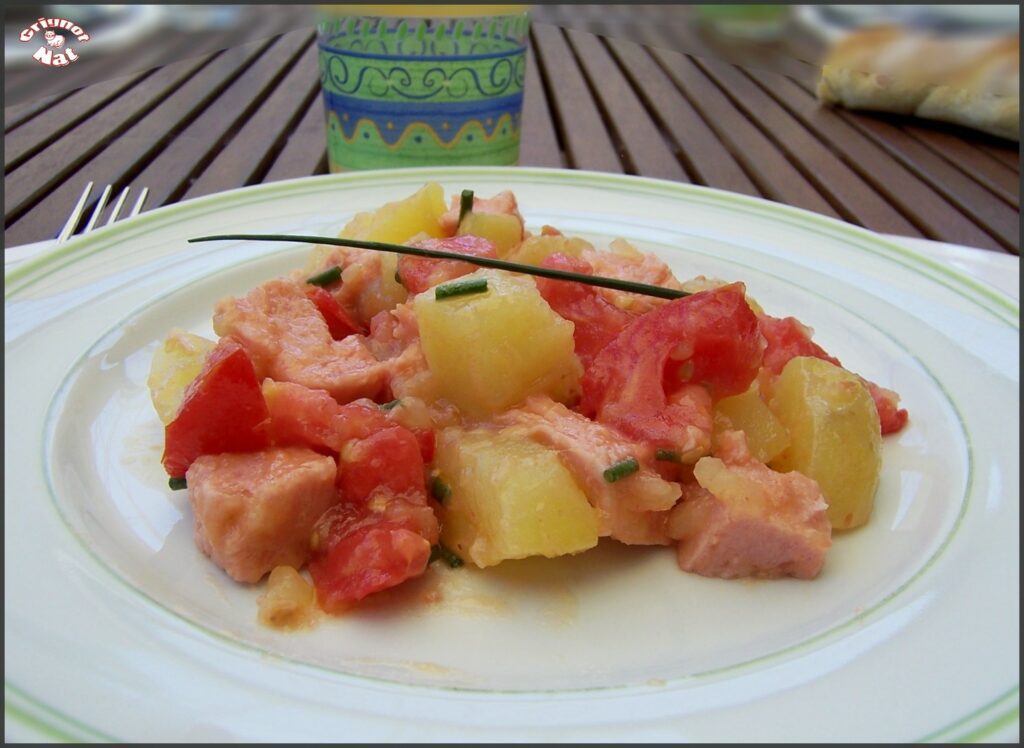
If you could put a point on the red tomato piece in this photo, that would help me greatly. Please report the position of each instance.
(358, 550)
(304, 416)
(787, 338)
(339, 323)
(709, 339)
(420, 273)
(597, 321)
(388, 460)
(223, 411)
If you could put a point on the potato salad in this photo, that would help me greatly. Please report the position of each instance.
(373, 413)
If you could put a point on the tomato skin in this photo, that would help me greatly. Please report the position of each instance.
(597, 321)
(420, 273)
(222, 411)
(787, 338)
(389, 460)
(339, 322)
(357, 551)
(709, 339)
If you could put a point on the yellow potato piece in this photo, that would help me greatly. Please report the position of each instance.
(534, 250)
(177, 361)
(834, 436)
(504, 231)
(748, 412)
(488, 351)
(510, 498)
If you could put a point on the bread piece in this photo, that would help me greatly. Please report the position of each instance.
(971, 81)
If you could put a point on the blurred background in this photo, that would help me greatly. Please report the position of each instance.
(127, 39)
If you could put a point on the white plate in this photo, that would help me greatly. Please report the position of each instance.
(117, 627)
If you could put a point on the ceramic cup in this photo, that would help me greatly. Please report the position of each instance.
(422, 85)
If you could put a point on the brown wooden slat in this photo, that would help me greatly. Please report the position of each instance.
(707, 158)
(644, 145)
(994, 216)
(1008, 156)
(538, 139)
(935, 216)
(305, 153)
(55, 165)
(62, 116)
(978, 165)
(774, 175)
(116, 163)
(587, 142)
(855, 199)
(242, 160)
(168, 173)
(18, 114)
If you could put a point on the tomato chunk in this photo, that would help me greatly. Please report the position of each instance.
(382, 532)
(339, 323)
(710, 339)
(787, 338)
(597, 321)
(388, 460)
(222, 411)
(358, 550)
(420, 273)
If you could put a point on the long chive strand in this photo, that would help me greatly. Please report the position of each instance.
(435, 254)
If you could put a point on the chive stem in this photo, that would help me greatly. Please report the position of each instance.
(621, 469)
(439, 552)
(177, 484)
(390, 405)
(439, 489)
(465, 204)
(326, 278)
(488, 262)
(460, 288)
(668, 455)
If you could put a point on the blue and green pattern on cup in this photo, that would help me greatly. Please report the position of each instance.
(411, 91)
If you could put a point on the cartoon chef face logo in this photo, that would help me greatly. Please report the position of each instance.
(48, 53)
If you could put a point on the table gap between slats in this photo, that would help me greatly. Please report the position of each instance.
(927, 210)
(169, 173)
(26, 188)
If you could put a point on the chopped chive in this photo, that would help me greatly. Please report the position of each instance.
(439, 552)
(326, 278)
(177, 484)
(621, 469)
(618, 284)
(390, 405)
(465, 204)
(460, 288)
(668, 455)
(439, 489)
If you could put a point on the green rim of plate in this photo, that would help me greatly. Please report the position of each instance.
(983, 722)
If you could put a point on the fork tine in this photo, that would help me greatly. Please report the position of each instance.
(76, 215)
(140, 202)
(100, 204)
(117, 206)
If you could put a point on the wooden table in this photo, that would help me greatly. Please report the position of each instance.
(253, 113)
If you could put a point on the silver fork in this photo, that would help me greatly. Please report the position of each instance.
(76, 213)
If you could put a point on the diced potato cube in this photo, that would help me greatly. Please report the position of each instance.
(490, 350)
(175, 364)
(399, 221)
(535, 250)
(503, 230)
(747, 412)
(834, 436)
(510, 498)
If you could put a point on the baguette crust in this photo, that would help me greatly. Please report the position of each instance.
(966, 81)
